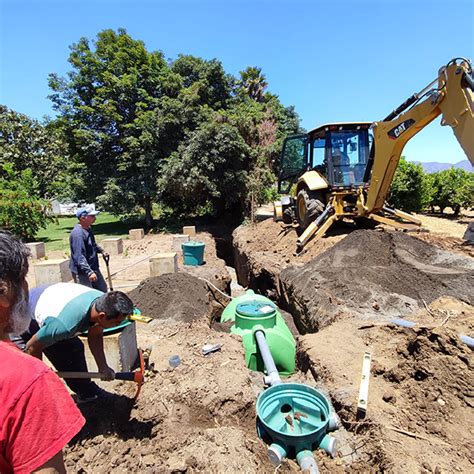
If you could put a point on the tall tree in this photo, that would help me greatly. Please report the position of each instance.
(254, 83)
(111, 105)
(27, 144)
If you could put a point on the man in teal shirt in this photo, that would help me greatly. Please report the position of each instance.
(61, 312)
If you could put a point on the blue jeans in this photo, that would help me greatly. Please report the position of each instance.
(83, 279)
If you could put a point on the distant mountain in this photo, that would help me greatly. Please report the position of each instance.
(433, 167)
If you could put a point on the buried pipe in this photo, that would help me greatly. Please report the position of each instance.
(469, 341)
(272, 377)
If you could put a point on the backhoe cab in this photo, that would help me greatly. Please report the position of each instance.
(345, 170)
(329, 160)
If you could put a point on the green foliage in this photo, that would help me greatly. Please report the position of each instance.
(142, 130)
(452, 188)
(21, 212)
(410, 189)
(207, 174)
(27, 144)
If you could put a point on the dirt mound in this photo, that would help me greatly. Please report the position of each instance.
(420, 392)
(374, 274)
(174, 296)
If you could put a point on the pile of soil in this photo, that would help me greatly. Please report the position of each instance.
(420, 392)
(374, 274)
(174, 296)
(263, 249)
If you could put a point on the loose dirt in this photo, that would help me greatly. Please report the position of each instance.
(200, 416)
(174, 296)
(419, 416)
(374, 274)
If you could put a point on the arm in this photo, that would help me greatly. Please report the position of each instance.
(95, 338)
(34, 347)
(53, 466)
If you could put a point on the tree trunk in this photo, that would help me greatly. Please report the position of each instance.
(148, 215)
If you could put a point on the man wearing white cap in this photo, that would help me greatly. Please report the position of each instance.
(84, 263)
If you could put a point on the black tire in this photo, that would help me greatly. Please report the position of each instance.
(309, 204)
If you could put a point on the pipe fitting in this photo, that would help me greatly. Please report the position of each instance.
(272, 379)
(333, 422)
(276, 452)
(329, 444)
(307, 462)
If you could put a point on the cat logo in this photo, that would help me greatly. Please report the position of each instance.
(400, 129)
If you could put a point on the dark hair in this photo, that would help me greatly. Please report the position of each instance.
(13, 259)
(114, 304)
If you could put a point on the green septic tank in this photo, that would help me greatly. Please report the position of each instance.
(258, 312)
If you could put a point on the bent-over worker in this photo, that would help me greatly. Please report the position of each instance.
(61, 312)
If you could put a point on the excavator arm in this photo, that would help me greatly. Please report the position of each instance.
(453, 99)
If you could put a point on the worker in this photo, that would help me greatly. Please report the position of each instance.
(37, 415)
(62, 311)
(84, 262)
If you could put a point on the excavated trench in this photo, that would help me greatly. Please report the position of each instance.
(342, 295)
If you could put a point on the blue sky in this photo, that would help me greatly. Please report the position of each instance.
(334, 61)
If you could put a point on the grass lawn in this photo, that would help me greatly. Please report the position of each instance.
(56, 235)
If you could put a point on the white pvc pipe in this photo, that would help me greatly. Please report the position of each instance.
(273, 377)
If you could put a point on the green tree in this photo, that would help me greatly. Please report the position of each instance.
(253, 83)
(117, 109)
(452, 188)
(207, 173)
(410, 190)
(28, 144)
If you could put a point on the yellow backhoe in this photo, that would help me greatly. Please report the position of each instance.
(345, 170)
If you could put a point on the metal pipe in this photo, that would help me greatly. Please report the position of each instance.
(273, 377)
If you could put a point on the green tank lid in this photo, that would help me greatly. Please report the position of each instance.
(253, 312)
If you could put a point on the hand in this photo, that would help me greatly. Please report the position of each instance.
(92, 277)
(107, 373)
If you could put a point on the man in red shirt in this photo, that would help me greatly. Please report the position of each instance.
(37, 415)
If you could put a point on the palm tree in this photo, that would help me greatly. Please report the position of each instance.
(253, 82)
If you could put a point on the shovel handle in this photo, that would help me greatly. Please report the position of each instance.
(95, 375)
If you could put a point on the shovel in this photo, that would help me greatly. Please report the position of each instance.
(138, 376)
(109, 276)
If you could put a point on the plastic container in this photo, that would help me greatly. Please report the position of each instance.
(262, 313)
(174, 361)
(295, 416)
(193, 252)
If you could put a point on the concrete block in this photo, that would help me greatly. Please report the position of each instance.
(136, 234)
(189, 230)
(37, 249)
(112, 246)
(52, 271)
(121, 350)
(164, 263)
(178, 240)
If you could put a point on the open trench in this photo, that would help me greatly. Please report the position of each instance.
(353, 434)
(341, 302)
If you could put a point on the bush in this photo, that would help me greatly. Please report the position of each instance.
(411, 187)
(22, 215)
(452, 188)
(21, 212)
